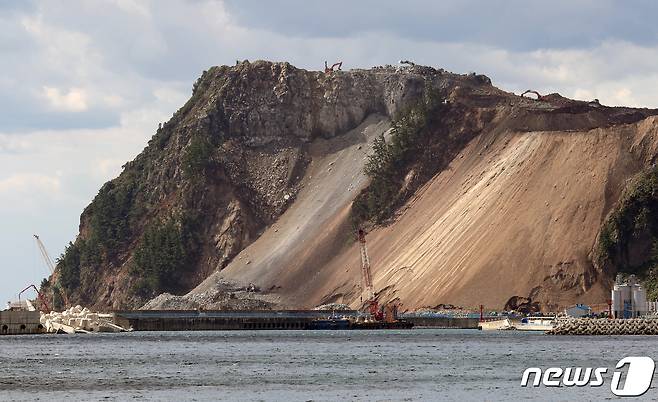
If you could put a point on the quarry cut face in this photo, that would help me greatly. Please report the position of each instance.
(249, 196)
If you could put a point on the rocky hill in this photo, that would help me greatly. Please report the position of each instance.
(471, 195)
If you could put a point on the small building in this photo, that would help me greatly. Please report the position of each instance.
(578, 311)
(629, 298)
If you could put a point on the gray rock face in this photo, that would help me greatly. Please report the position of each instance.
(254, 122)
(265, 101)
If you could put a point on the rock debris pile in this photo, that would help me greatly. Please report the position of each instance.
(79, 320)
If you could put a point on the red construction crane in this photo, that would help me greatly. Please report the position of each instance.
(366, 278)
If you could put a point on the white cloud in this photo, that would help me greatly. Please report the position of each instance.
(21, 183)
(73, 100)
(140, 8)
(65, 51)
(10, 144)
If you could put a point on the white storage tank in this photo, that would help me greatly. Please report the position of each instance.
(639, 301)
(629, 299)
(617, 305)
(626, 298)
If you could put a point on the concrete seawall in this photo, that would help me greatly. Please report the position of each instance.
(20, 323)
(200, 320)
(444, 322)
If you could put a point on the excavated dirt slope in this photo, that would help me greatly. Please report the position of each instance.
(516, 213)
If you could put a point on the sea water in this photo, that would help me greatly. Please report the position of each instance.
(405, 365)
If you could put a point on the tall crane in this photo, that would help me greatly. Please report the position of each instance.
(46, 256)
(366, 274)
(366, 278)
(51, 266)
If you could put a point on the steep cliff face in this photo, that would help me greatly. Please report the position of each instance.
(213, 177)
(472, 195)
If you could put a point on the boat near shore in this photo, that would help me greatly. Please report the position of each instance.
(493, 325)
(542, 324)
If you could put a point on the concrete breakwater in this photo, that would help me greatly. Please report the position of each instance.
(603, 326)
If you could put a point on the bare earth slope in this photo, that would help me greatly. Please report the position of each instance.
(253, 181)
(516, 213)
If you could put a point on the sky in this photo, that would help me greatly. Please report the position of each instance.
(84, 84)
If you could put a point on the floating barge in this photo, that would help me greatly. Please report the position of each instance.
(206, 320)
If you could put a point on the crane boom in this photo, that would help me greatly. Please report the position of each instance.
(51, 267)
(366, 274)
(46, 256)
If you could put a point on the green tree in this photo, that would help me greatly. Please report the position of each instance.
(633, 222)
(390, 160)
(69, 268)
(160, 258)
(197, 156)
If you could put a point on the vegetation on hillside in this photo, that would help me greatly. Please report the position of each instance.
(166, 251)
(116, 216)
(628, 242)
(159, 258)
(197, 156)
(421, 144)
(110, 218)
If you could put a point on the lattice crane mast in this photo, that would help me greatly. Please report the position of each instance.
(366, 278)
(366, 274)
(51, 266)
(46, 257)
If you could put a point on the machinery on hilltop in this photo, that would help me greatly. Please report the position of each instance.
(530, 91)
(334, 67)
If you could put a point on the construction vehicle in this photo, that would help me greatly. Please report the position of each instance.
(44, 305)
(366, 279)
(54, 279)
(529, 91)
(386, 316)
(334, 67)
(387, 313)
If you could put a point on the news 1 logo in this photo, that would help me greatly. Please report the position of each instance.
(638, 376)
